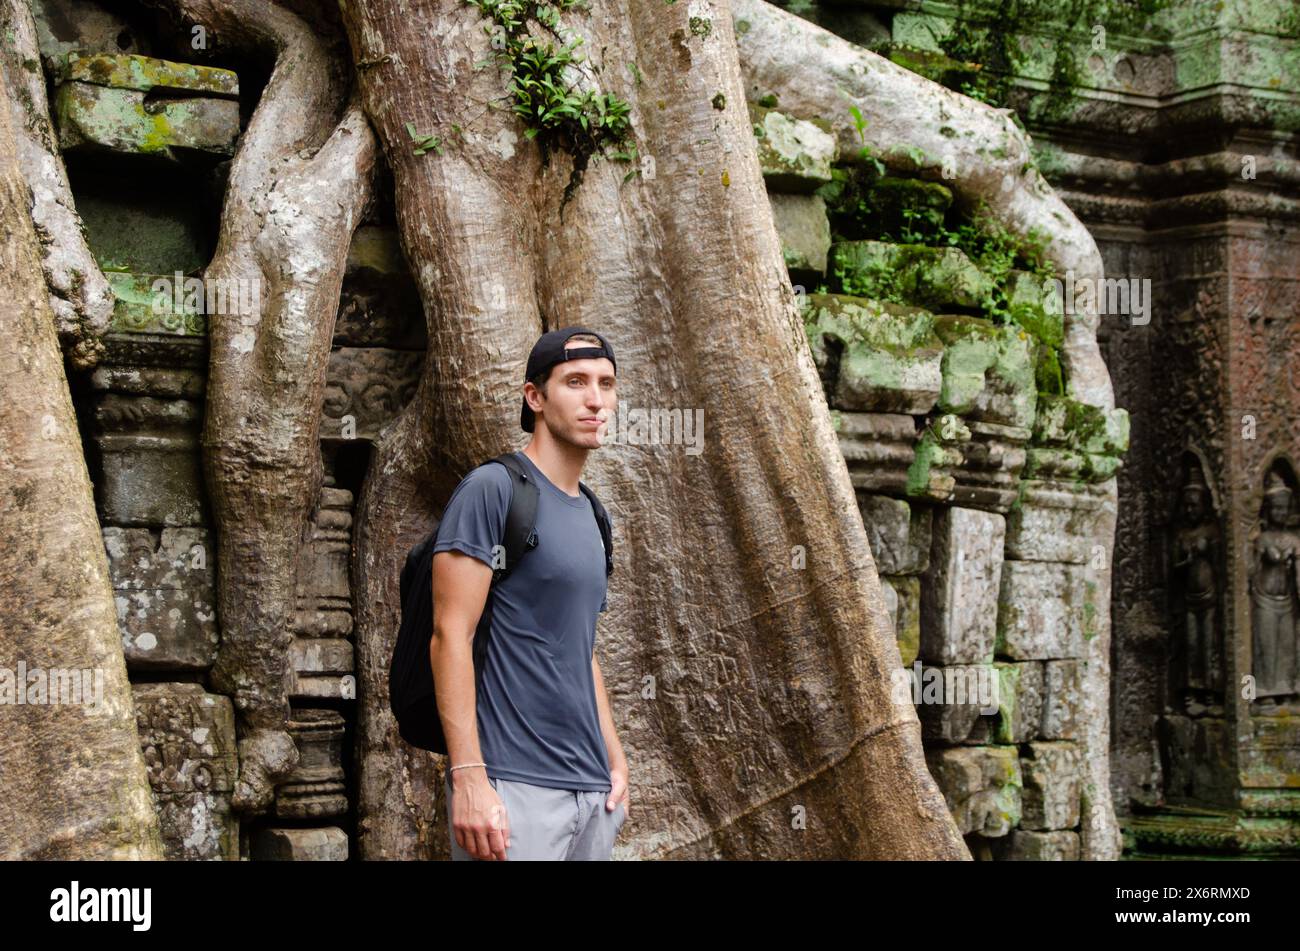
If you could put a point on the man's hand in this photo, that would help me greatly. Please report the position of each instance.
(478, 818)
(619, 791)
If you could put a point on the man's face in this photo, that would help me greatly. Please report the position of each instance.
(580, 398)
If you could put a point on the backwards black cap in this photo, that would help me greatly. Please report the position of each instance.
(549, 350)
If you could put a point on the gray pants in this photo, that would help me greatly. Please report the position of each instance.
(551, 824)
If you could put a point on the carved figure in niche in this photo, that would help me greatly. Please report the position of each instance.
(1196, 559)
(1273, 594)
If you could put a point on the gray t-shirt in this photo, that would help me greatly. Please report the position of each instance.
(537, 716)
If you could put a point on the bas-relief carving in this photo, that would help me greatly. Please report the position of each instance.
(1196, 588)
(1273, 593)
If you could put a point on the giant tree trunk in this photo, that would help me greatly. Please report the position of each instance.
(72, 774)
(298, 184)
(747, 650)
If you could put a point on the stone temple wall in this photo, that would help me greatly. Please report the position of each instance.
(1172, 133)
(978, 480)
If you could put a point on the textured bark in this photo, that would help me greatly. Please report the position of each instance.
(814, 72)
(771, 683)
(299, 181)
(79, 294)
(73, 776)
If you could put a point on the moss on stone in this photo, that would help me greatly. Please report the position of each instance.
(908, 274)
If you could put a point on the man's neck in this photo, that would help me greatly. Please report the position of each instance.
(559, 462)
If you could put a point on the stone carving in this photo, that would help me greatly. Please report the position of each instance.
(315, 789)
(1273, 594)
(146, 463)
(1195, 584)
(366, 387)
(188, 739)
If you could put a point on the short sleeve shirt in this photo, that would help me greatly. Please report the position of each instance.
(538, 721)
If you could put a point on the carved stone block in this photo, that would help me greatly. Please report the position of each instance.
(147, 449)
(322, 667)
(323, 590)
(1021, 695)
(1041, 610)
(988, 371)
(1052, 785)
(328, 844)
(959, 595)
(981, 785)
(874, 356)
(379, 305)
(988, 475)
(804, 230)
(899, 534)
(315, 789)
(188, 739)
(365, 388)
(164, 587)
(1271, 758)
(1053, 522)
(879, 448)
(151, 106)
(1062, 700)
(794, 154)
(953, 699)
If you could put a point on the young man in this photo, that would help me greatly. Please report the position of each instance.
(536, 768)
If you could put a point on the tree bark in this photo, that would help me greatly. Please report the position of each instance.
(751, 690)
(73, 775)
(79, 293)
(300, 179)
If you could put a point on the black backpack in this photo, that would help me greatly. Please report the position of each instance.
(411, 692)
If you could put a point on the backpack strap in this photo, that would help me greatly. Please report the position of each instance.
(520, 538)
(521, 518)
(606, 529)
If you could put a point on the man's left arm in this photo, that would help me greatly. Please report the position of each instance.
(618, 791)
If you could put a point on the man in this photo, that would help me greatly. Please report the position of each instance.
(536, 767)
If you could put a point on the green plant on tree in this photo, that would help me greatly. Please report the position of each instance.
(543, 86)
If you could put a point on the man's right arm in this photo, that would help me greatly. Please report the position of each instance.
(460, 590)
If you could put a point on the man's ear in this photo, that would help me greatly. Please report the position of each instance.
(534, 397)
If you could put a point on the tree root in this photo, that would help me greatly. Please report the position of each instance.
(298, 184)
(79, 293)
